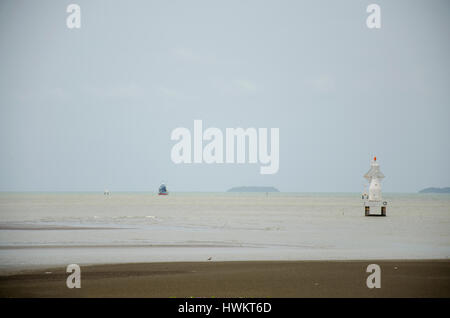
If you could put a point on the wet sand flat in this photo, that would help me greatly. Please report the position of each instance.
(421, 278)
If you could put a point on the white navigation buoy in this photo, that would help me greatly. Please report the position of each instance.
(373, 202)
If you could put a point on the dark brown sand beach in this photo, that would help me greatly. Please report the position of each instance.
(421, 278)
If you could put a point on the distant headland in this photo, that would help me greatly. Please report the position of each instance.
(435, 190)
(253, 189)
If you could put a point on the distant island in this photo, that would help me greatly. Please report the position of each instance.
(253, 189)
(435, 190)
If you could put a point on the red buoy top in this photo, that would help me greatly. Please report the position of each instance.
(375, 158)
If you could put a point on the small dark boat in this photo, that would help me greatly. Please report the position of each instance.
(163, 190)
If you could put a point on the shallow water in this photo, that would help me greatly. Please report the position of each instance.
(59, 229)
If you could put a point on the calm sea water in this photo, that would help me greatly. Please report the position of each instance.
(60, 229)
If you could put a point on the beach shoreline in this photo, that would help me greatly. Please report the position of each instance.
(399, 278)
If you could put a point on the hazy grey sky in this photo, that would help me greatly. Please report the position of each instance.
(93, 108)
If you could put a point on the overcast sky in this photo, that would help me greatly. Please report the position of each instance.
(93, 108)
